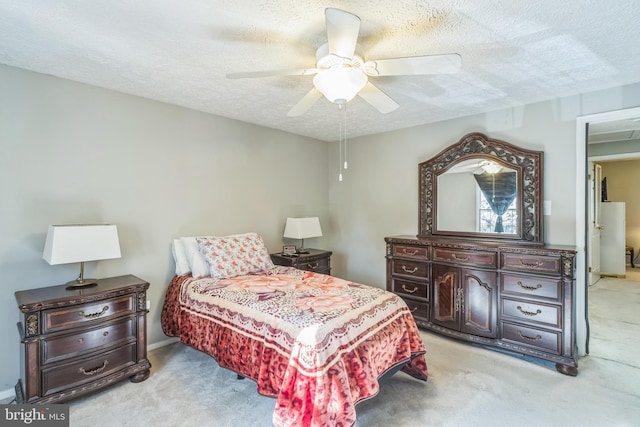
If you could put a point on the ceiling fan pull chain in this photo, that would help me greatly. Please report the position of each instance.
(346, 166)
(340, 139)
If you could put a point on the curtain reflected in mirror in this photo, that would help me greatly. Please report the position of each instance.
(499, 190)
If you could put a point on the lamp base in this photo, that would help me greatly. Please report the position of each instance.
(79, 284)
(302, 251)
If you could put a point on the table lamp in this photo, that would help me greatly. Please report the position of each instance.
(302, 228)
(67, 244)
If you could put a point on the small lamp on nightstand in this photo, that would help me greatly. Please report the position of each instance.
(302, 228)
(67, 244)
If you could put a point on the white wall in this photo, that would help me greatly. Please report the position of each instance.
(72, 153)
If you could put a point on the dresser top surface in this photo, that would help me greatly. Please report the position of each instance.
(42, 296)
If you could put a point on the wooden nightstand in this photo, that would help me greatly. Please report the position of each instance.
(316, 260)
(78, 341)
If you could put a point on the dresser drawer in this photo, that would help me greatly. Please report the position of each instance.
(410, 289)
(70, 317)
(410, 268)
(465, 257)
(87, 370)
(418, 309)
(536, 287)
(532, 263)
(318, 265)
(410, 251)
(532, 312)
(61, 347)
(549, 341)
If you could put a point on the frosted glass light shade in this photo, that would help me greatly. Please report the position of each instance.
(340, 83)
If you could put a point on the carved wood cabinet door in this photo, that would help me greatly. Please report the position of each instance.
(446, 309)
(478, 303)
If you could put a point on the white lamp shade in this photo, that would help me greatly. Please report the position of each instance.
(77, 243)
(340, 83)
(302, 228)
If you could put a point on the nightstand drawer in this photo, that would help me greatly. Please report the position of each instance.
(317, 265)
(87, 370)
(61, 347)
(69, 317)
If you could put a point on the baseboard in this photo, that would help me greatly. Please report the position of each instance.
(8, 394)
(163, 343)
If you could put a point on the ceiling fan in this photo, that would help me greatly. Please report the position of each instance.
(341, 71)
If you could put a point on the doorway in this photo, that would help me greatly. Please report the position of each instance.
(583, 232)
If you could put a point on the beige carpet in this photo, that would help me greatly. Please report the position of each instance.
(468, 386)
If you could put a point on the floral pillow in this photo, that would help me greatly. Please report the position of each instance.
(235, 255)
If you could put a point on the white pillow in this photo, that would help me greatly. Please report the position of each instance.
(180, 257)
(197, 265)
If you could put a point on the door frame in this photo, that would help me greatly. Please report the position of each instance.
(582, 123)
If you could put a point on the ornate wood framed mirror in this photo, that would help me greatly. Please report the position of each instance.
(485, 188)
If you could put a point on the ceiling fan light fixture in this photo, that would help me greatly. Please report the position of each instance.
(490, 167)
(340, 84)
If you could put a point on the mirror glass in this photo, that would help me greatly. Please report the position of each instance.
(478, 196)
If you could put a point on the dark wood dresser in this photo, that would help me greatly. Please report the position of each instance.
(78, 341)
(316, 260)
(514, 297)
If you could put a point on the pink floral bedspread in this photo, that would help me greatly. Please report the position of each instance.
(317, 343)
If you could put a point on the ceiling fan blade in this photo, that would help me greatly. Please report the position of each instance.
(271, 73)
(377, 98)
(342, 32)
(428, 64)
(305, 103)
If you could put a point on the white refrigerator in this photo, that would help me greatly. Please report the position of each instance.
(612, 239)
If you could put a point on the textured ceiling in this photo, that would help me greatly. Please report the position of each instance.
(514, 52)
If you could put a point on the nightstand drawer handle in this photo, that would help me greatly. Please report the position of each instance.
(406, 270)
(314, 266)
(94, 315)
(404, 288)
(460, 258)
(96, 370)
(406, 252)
(529, 288)
(528, 313)
(536, 338)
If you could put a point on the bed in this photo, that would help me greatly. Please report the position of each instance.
(316, 343)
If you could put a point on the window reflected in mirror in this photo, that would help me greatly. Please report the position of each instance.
(479, 196)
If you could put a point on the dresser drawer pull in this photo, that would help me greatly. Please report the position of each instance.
(414, 309)
(94, 315)
(406, 270)
(313, 266)
(529, 288)
(96, 370)
(404, 288)
(406, 252)
(460, 258)
(528, 313)
(531, 264)
(536, 338)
